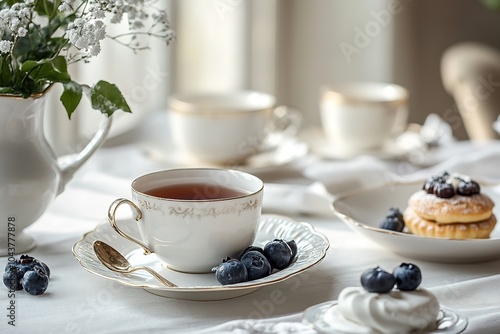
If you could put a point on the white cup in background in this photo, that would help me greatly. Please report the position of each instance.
(363, 116)
(229, 127)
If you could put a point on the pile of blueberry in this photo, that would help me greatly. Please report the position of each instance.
(27, 273)
(393, 221)
(256, 262)
(406, 277)
(442, 186)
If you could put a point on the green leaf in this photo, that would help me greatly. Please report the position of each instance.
(53, 70)
(8, 91)
(60, 64)
(71, 96)
(5, 74)
(107, 98)
(47, 8)
(49, 72)
(31, 64)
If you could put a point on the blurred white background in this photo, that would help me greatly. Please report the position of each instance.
(289, 48)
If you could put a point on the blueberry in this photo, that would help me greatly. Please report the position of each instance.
(377, 280)
(231, 271)
(444, 190)
(429, 186)
(444, 176)
(408, 276)
(468, 188)
(257, 265)
(278, 253)
(394, 212)
(464, 189)
(251, 248)
(10, 264)
(432, 182)
(393, 220)
(35, 281)
(22, 268)
(27, 262)
(45, 267)
(392, 224)
(293, 247)
(12, 278)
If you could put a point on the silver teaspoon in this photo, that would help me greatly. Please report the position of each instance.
(114, 261)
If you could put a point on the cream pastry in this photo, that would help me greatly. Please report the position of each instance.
(377, 307)
(393, 312)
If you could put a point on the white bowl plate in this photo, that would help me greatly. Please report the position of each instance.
(365, 209)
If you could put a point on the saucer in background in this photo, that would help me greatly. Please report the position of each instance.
(287, 152)
(318, 144)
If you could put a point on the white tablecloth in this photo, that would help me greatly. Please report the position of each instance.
(80, 302)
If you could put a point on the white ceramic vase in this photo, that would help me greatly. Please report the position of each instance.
(31, 176)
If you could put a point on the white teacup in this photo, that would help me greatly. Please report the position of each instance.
(363, 116)
(226, 128)
(193, 218)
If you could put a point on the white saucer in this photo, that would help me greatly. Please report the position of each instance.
(448, 321)
(289, 151)
(312, 247)
(318, 144)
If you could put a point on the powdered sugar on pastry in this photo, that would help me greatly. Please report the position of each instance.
(457, 209)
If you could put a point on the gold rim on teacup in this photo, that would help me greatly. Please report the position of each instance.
(193, 232)
(347, 93)
(245, 101)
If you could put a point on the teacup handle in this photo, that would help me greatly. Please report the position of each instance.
(285, 123)
(112, 221)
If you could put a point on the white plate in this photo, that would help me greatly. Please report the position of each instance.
(289, 151)
(318, 144)
(448, 321)
(312, 247)
(364, 210)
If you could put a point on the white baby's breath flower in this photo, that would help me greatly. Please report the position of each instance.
(22, 32)
(160, 17)
(137, 25)
(5, 46)
(86, 33)
(14, 24)
(99, 14)
(15, 20)
(66, 5)
(95, 50)
(116, 18)
(63, 7)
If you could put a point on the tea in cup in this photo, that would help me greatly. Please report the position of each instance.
(363, 116)
(193, 218)
(227, 128)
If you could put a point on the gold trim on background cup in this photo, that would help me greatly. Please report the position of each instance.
(227, 128)
(363, 116)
